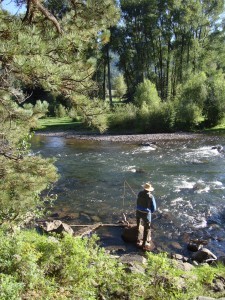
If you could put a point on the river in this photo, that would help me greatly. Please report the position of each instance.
(99, 181)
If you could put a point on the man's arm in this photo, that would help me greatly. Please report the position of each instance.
(153, 208)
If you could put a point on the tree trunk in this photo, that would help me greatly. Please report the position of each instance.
(109, 76)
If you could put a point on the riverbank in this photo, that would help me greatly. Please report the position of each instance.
(127, 138)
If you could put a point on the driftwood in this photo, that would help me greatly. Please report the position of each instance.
(90, 228)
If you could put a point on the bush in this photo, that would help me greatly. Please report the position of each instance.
(160, 119)
(123, 117)
(60, 111)
(191, 100)
(146, 93)
(214, 108)
(39, 267)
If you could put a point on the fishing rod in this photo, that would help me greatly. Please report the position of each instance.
(124, 190)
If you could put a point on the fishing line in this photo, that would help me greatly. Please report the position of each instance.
(124, 190)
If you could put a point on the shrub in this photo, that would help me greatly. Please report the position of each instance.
(160, 119)
(123, 117)
(190, 101)
(214, 108)
(146, 92)
(120, 85)
(39, 267)
(60, 111)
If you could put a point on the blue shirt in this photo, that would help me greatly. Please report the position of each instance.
(146, 202)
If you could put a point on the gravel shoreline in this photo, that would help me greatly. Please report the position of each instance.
(127, 138)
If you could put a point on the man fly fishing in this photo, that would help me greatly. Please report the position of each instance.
(146, 205)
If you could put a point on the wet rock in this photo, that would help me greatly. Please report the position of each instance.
(67, 218)
(176, 245)
(194, 247)
(130, 233)
(147, 144)
(56, 226)
(196, 244)
(85, 218)
(95, 219)
(140, 171)
(219, 148)
(54, 215)
(204, 255)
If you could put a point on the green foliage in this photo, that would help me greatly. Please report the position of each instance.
(156, 119)
(21, 184)
(60, 111)
(146, 93)
(191, 99)
(120, 85)
(215, 104)
(10, 288)
(163, 40)
(36, 266)
(48, 267)
(55, 55)
(123, 117)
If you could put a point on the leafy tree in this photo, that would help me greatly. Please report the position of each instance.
(43, 50)
(214, 108)
(191, 100)
(120, 85)
(163, 40)
(146, 93)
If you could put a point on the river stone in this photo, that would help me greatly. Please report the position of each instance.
(185, 266)
(203, 255)
(134, 263)
(56, 226)
(130, 233)
(95, 218)
(176, 245)
(194, 247)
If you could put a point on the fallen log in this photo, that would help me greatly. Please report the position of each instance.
(88, 229)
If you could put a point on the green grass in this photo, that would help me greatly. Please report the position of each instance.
(218, 128)
(53, 123)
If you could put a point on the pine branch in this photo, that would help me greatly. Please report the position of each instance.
(43, 10)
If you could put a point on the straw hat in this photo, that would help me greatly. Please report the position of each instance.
(148, 187)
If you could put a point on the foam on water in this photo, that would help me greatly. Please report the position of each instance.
(144, 149)
(202, 152)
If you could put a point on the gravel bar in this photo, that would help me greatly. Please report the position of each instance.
(126, 138)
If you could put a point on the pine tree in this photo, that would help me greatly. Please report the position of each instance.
(55, 53)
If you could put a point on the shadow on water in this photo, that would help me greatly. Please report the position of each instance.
(188, 176)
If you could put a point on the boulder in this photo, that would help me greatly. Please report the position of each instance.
(204, 255)
(56, 226)
(134, 263)
(130, 233)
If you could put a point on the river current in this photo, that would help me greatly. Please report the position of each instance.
(99, 182)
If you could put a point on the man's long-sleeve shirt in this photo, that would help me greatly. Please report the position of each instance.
(146, 202)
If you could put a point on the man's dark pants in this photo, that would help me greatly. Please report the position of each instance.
(146, 218)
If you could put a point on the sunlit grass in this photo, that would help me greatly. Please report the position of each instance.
(53, 123)
(218, 128)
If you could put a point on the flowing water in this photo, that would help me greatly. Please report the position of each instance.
(188, 177)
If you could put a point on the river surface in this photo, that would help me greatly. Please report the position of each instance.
(99, 181)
